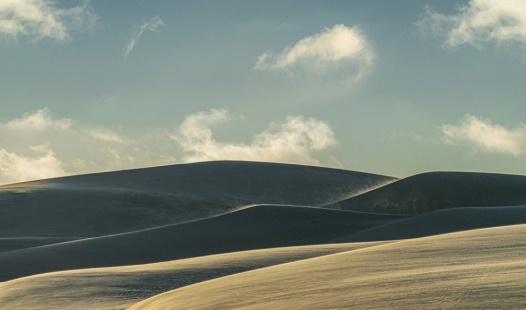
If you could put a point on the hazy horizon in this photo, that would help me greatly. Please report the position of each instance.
(380, 87)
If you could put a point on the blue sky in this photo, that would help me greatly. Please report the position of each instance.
(390, 87)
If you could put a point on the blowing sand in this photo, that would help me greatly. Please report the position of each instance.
(433, 191)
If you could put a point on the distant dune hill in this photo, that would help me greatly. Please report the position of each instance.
(252, 228)
(441, 222)
(440, 190)
(114, 202)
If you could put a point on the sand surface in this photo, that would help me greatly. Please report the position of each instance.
(247, 235)
(16, 243)
(248, 229)
(441, 222)
(121, 287)
(480, 269)
(122, 201)
(432, 191)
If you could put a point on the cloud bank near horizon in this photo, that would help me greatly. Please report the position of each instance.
(42, 145)
(31, 150)
(291, 141)
(20, 168)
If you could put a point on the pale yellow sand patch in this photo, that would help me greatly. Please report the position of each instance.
(480, 269)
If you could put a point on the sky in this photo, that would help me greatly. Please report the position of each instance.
(388, 87)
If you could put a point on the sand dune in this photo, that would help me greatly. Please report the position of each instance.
(10, 244)
(479, 269)
(115, 202)
(441, 222)
(121, 287)
(440, 190)
(252, 228)
(186, 225)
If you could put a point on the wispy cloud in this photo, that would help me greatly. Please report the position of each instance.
(18, 168)
(482, 135)
(38, 120)
(291, 141)
(334, 49)
(38, 19)
(477, 23)
(152, 25)
(104, 134)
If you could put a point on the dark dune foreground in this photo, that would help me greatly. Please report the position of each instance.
(252, 228)
(441, 222)
(478, 269)
(440, 190)
(15, 243)
(121, 287)
(115, 202)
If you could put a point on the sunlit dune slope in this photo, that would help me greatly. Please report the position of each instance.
(114, 202)
(252, 228)
(478, 269)
(441, 222)
(440, 190)
(121, 287)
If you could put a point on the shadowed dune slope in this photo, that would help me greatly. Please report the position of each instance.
(114, 202)
(252, 228)
(479, 269)
(121, 287)
(440, 190)
(10, 244)
(441, 222)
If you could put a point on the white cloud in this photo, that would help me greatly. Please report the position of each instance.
(195, 128)
(485, 136)
(291, 141)
(338, 48)
(479, 22)
(84, 149)
(152, 25)
(18, 168)
(106, 135)
(77, 148)
(38, 19)
(39, 120)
